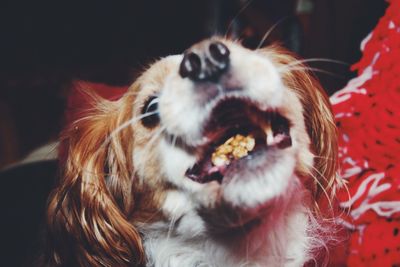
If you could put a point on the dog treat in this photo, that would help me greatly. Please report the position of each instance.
(234, 148)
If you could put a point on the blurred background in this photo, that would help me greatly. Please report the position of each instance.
(46, 46)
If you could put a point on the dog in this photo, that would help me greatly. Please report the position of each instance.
(215, 157)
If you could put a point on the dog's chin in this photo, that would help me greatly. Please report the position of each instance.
(250, 190)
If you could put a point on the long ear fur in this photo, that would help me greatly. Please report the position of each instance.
(318, 116)
(87, 212)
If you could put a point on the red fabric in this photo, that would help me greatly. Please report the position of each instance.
(367, 113)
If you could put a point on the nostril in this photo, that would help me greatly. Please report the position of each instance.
(190, 66)
(219, 52)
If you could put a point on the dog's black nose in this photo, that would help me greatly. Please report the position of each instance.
(205, 61)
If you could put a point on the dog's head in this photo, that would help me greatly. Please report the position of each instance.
(220, 135)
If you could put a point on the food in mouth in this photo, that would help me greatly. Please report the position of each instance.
(235, 147)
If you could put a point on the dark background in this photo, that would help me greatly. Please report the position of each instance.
(45, 45)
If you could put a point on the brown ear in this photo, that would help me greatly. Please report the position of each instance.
(321, 127)
(87, 213)
(318, 116)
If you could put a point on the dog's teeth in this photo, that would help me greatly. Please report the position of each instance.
(269, 135)
(235, 147)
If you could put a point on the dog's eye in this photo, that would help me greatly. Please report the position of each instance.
(150, 113)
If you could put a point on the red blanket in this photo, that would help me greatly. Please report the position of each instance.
(367, 113)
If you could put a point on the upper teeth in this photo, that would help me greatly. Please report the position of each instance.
(235, 147)
(269, 134)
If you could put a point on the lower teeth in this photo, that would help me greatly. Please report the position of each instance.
(234, 148)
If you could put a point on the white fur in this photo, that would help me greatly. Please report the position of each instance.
(282, 240)
(175, 162)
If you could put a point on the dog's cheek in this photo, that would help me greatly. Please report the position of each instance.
(145, 161)
(301, 143)
(174, 164)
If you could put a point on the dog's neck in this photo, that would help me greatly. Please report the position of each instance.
(281, 240)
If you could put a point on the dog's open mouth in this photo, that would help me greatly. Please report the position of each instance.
(237, 131)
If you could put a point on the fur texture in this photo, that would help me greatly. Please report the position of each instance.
(124, 199)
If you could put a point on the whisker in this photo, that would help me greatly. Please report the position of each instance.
(319, 173)
(133, 121)
(342, 182)
(289, 69)
(266, 35)
(319, 183)
(330, 203)
(236, 16)
(327, 158)
(127, 123)
(346, 188)
(302, 61)
(327, 180)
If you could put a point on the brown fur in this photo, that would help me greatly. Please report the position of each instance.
(89, 217)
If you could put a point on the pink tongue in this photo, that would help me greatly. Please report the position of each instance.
(214, 169)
